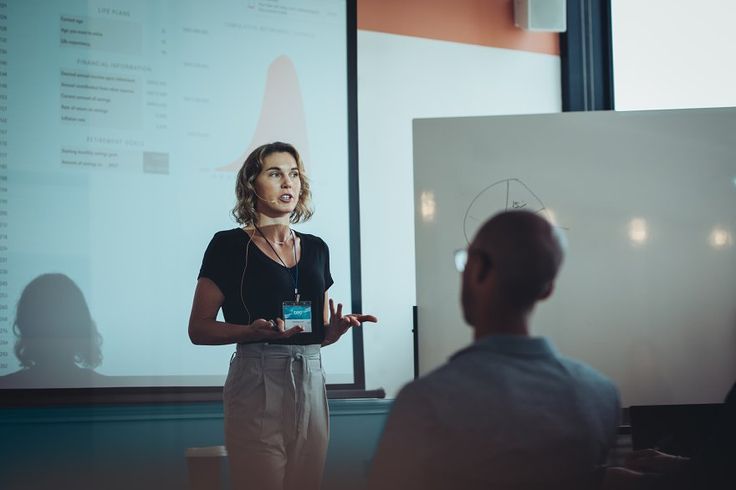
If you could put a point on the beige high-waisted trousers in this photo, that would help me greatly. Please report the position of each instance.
(276, 417)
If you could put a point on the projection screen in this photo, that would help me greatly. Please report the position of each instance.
(122, 125)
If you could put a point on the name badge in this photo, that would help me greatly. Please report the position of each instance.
(298, 313)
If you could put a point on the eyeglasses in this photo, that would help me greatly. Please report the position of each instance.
(461, 259)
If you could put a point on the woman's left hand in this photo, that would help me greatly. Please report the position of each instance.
(339, 323)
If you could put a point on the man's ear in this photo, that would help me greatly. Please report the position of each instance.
(547, 291)
(483, 267)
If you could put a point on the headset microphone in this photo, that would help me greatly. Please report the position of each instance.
(272, 201)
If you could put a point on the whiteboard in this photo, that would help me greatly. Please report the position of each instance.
(647, 202)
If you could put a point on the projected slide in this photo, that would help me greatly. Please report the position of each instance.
(122, 125)
(282, 112)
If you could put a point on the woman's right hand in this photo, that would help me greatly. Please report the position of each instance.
(263, 329)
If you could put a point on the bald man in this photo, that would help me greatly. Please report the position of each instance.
(507, 412)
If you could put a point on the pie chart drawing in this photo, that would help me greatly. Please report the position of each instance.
(503, 195)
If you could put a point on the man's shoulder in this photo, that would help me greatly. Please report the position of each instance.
(590, 378)
(584, 370)
(439, 380)
(464, 374)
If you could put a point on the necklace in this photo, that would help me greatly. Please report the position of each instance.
(274, 241)
(295, 277)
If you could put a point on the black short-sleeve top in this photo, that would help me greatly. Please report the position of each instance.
(255, 286)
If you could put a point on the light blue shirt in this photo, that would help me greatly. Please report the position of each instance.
(507, 412)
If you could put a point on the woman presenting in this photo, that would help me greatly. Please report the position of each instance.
(271, 283)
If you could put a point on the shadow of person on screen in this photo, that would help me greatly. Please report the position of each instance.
(57, 342)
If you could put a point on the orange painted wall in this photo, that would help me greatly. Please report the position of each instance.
(481, 22)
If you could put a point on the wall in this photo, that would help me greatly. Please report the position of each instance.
(427, 59)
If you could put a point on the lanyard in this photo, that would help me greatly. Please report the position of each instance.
(295, 276)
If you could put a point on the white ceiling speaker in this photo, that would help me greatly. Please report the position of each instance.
(541, 15)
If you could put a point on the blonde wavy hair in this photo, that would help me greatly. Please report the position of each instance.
(244, 211)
